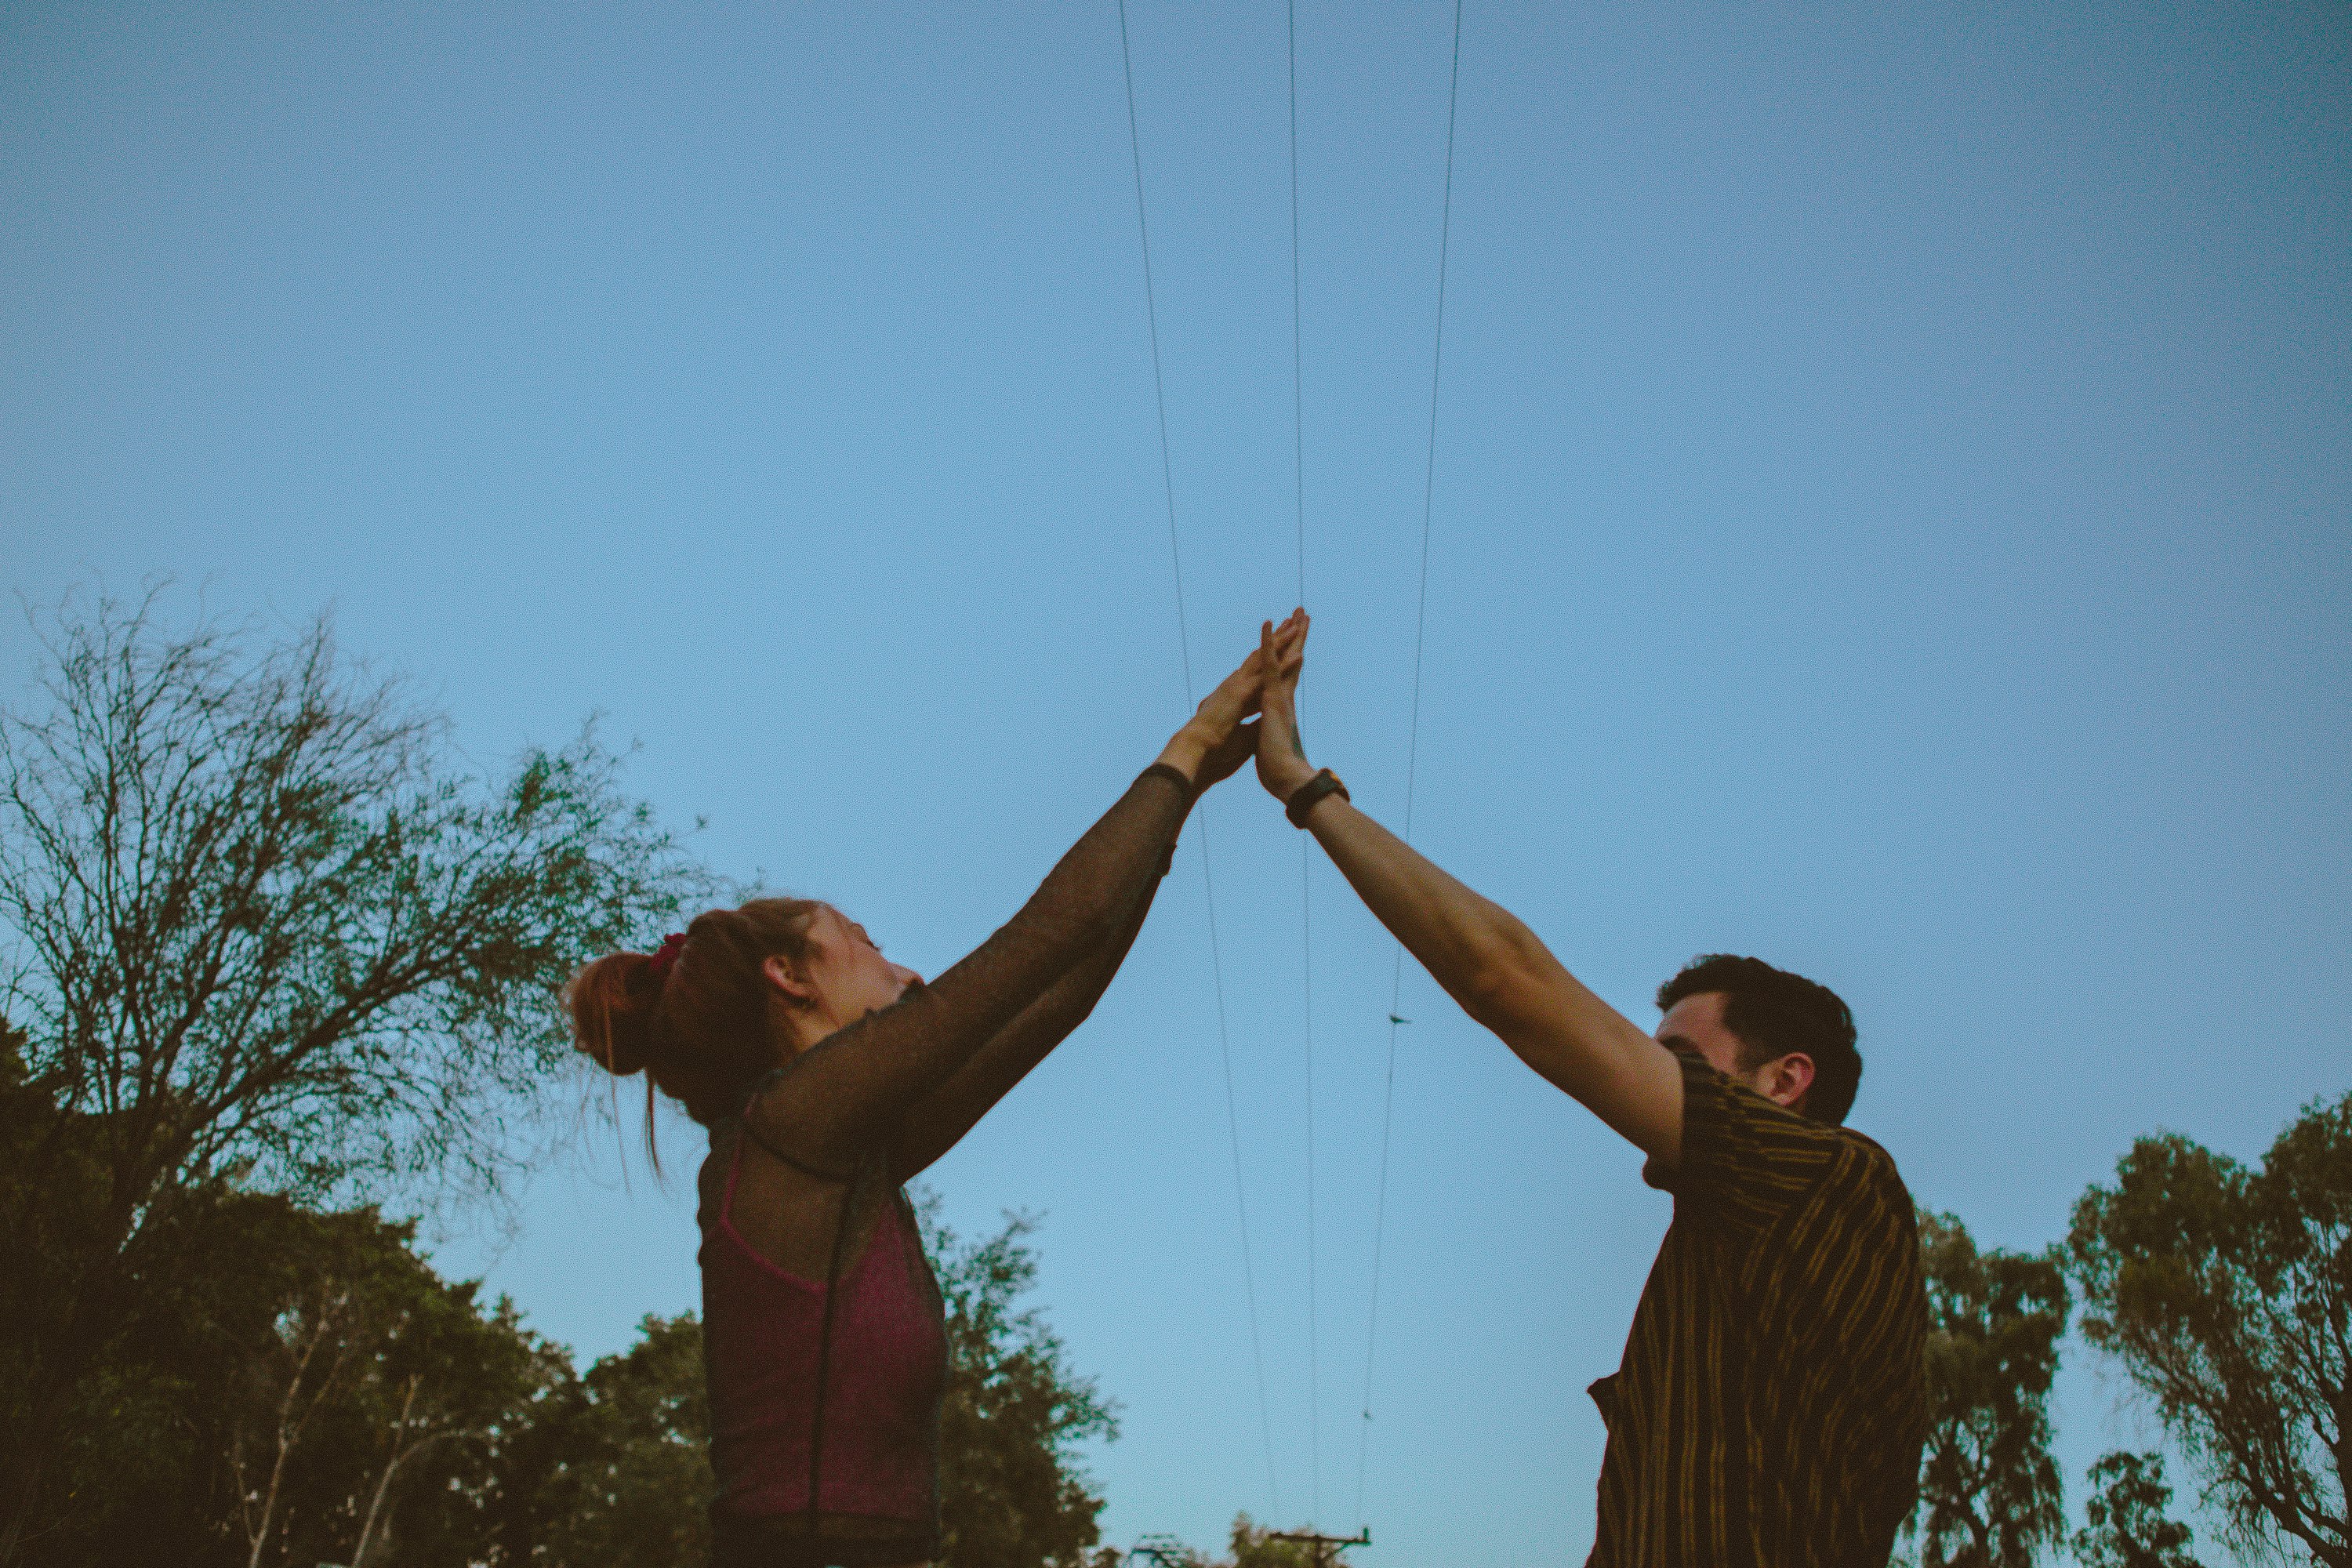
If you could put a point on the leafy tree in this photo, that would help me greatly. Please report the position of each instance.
(2128, 1527)
(1152, 1551)
(289, 1387)
(136, 1464)
(1250, 1545)
(1988, 1490)
(407, 1462)
(630, 1479)
(1251, 1549)
(1011, 1492)
(2227, 1296)
(258, 917)
(355, 1399)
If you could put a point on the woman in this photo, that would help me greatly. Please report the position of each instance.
(828, 1075)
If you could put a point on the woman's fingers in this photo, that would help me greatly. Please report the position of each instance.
(1237, 696)
(1225, 758)
(1277, 659)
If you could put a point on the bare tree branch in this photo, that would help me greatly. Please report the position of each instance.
(257, 910)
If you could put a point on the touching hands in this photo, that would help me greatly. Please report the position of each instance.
(1217, 740)
(1282, 765)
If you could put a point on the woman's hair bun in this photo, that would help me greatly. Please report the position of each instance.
(694, 1016)
(613, 1002)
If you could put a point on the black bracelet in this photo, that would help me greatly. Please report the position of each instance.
(1302, 799)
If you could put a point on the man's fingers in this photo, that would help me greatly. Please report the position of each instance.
(1286, 643)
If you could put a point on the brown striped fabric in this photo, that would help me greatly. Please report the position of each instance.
(1772, 1402)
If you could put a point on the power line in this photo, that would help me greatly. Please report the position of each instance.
(1413, 757)
(1184, 646)
(1297, 392)
(1306, 844)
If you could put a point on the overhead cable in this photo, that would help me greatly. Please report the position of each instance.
(1306, 842)
(1184, 647)
(1413, 757)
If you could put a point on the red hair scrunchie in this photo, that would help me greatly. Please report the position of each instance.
(667, 954)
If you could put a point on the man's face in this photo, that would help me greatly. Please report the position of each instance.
(1696, 1024)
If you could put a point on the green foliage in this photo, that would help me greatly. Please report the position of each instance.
(2128, 1527)
(1250, 1545)
(52, 1180)
(621, 1474)
(288, 1388)
(1011, 1492)
(261, 909)
(2226, 1294)
(1251, 1549)
(1989, 1490)
(1153, 1552)
(259, 919)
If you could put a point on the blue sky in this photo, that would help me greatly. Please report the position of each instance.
(1891, 517)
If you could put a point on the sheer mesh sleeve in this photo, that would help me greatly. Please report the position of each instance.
(826, 1108)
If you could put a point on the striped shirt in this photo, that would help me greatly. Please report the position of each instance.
(1771, 1404)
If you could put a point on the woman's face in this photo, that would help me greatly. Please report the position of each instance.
(844, 976)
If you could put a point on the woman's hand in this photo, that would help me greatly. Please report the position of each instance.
(1215, 741)
(1224, 759)
(1282, 765)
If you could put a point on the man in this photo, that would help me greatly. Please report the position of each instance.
(1771, 1404)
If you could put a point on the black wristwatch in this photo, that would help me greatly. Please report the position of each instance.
(1302, 799)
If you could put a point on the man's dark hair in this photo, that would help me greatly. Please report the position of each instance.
(1773, 1012)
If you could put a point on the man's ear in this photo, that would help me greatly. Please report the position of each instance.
(784, 977)
(1786, 1079)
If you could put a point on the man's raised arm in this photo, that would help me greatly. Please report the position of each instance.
(1485, 956)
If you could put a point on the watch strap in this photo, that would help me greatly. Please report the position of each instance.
(1302, 799)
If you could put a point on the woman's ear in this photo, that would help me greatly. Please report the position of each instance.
(786, 978)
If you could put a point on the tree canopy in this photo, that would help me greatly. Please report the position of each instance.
(262, 924)
(1990, 1494)
(283, 1386)
(1012, 1491)
(2226, 1295)
(2126, 1525)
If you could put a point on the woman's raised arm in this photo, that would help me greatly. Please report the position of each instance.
(831, 1104)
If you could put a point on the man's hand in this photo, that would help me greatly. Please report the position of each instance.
(1282, 765)
(1479, 952)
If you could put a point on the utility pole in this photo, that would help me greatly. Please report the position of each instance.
(1326, 1548)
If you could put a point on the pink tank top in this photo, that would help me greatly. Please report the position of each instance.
(763, 1342)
